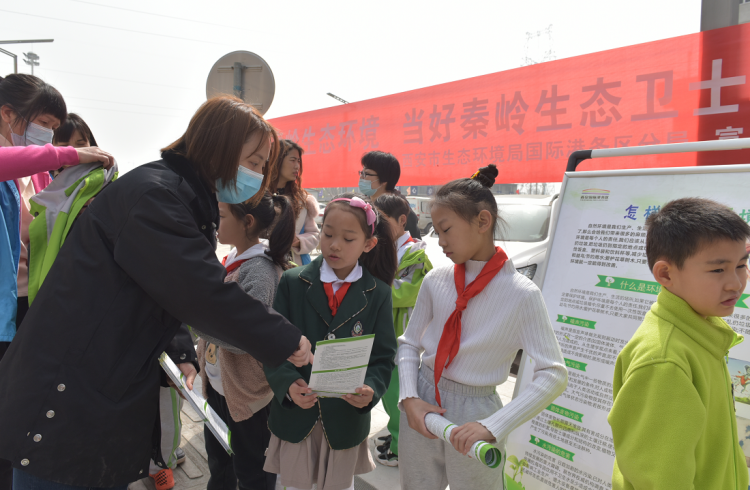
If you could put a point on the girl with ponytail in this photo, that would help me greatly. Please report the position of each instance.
(343, 293)
(233, 382)
(467, 326)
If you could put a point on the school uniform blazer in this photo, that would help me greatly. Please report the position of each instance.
(303, 301)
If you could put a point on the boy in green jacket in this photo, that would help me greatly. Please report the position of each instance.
(413, 265)
(673, 419)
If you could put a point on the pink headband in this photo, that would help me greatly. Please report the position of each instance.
(367, 207)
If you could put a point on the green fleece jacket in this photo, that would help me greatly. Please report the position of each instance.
(413, 267)
(673, 420)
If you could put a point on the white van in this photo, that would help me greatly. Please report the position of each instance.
(525, 238)
(421, 207)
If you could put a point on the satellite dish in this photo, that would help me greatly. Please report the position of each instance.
(245, 75)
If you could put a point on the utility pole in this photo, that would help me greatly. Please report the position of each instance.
(33, 58)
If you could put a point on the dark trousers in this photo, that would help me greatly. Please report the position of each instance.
(250, 440)
(6, 470)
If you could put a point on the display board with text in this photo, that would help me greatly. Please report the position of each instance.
(597, 289)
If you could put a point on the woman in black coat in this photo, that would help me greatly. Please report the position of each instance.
(79, 384)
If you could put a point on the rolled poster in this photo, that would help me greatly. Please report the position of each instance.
(482, 451)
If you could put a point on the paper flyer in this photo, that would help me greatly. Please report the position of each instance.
(482, 451)
(340, 365)
(211, 419)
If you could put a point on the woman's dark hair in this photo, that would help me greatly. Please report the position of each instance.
(385, 165)
(214, 138)
(292, 189)
(71, 125)
(282, 227)
(392, 205)
(467, 197)
(381, 260)
(30, 97)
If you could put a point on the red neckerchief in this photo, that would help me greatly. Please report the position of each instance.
(335, 300)
(450, 341)
(233, 265)
(409, 240)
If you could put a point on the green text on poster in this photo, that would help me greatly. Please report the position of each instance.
(578, 322)
(563, 453)
(578, 417)
(625, 284)
(581, 366)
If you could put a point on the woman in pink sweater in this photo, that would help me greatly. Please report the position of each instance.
(30, 110)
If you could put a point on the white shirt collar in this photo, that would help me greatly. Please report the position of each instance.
(327, 275)
(254, 251)
(401, 246)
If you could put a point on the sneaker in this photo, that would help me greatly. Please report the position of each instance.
(388, 459)
(387, 438)
(164, 479)
(180, 455)
(383, 448)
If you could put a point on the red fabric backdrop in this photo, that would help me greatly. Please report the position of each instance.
(528, 120)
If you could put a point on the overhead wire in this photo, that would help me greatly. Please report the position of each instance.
(126, 103)
(165, 16)
(120, 79)
(115, 28)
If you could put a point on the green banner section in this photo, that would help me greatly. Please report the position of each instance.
(578, 417)
(563, 453)
(578, 322)
(581, 366)
(741, 301)
(625, 284)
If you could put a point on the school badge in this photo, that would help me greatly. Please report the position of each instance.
(357, 331)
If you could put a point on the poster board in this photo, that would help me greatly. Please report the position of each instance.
(597, 288)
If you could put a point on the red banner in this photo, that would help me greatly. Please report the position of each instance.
(528, 120)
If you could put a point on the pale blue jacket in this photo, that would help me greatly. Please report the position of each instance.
(10, 253)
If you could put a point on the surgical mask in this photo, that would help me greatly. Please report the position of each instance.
(34, 135)
(365, 187)
(248, 184)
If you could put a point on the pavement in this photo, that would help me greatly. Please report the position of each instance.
(193, 473)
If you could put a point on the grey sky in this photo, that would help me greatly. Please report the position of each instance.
(136, 71)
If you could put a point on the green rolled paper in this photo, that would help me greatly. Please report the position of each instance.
(482, 451)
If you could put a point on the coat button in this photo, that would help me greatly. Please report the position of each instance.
(203, 227)
(50, 414)
(37, 438)
(140, 472)
(182, 357)
(24, 462)
(61, 387)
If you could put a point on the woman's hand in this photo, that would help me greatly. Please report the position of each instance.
(303, 355)
(295, 242)
(416, 410)
(299, 393)
(365, 397)
(95, 154)
(465, 436)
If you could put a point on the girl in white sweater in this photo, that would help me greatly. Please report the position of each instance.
(467, 325)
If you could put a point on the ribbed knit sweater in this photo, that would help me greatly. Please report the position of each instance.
(509, 314)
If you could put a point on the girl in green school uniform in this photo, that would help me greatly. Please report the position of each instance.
(343, 293)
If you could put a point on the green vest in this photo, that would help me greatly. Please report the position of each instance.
(55, 209)
(302, 300)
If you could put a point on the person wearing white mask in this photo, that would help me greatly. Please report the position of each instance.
(30, 110)
(379, 175)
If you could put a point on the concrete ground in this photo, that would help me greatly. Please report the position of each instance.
(193, 473)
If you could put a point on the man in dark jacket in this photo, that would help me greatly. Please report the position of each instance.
(379, 175)
(79, 384)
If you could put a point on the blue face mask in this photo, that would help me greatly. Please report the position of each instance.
(365, 187)
(248, 184)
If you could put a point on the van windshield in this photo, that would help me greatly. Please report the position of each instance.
(525, 223)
